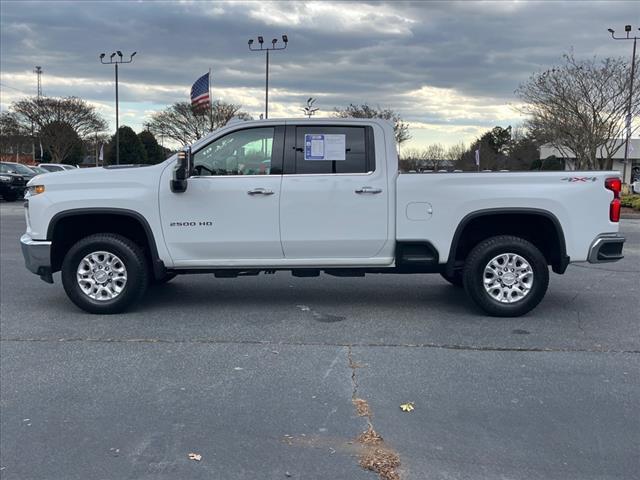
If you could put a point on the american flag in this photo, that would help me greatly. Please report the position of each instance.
(200, 91)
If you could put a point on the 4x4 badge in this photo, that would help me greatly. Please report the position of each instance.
(578, 179)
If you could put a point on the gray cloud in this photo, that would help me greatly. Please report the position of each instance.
(343, 52)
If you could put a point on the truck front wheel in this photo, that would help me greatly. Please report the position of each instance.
(506, 276)
(104, 273)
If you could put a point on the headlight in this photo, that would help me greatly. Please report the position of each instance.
(36, 189)
(5, 178)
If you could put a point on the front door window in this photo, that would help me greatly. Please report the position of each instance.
(244, 152)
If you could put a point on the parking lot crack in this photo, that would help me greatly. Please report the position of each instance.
(445, 346)
(374, 454)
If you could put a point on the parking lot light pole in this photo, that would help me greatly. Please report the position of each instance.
(116, 62)
(627, 29)
(262, 48)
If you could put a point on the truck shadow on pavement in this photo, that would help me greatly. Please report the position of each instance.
(306, 295)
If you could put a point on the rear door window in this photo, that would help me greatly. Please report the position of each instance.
(357, 158)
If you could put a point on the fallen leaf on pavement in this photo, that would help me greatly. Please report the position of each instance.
(407, 407)
(362, 407)
(370, 437)
(195, 456)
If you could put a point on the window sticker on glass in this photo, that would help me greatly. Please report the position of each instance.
(325, 147)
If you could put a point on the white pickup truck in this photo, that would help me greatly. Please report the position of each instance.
(312, 196)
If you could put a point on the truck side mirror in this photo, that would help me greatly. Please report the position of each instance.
(181, 171)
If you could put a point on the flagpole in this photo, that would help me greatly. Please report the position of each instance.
(210, 97)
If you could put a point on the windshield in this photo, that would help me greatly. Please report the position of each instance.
(52, 168)
(17, 167)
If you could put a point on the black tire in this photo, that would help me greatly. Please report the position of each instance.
(474, 274)
(131, 255)
(10, 197)
(161, 281)
(455, 279)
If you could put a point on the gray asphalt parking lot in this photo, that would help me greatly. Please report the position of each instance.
(259, 374)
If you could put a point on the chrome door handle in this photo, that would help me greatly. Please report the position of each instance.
(260, 191)
(368, 190)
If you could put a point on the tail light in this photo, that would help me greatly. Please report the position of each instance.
(615, 185)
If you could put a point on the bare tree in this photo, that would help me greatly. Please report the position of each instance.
(580, 107)
(411, 159)
(455, 152)
(13, 134)
(400, 128)
(60, 123)
(185, 124)
(434, 155)
(72, 111)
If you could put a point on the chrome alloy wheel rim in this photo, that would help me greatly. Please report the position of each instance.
(508, 278)
(101, 276)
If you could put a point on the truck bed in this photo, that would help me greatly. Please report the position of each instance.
(434, 205)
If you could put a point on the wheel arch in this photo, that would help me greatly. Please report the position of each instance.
(481, 224)
(128, 223)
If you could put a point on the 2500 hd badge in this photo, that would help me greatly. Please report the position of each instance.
(191, 224)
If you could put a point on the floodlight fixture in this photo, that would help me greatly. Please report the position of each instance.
(115, 63)
(626, 170)
(266, 50)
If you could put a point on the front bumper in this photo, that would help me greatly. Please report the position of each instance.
(37, 256)
(13, 189)
(606, 248)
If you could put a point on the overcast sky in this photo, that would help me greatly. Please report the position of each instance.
(450, 68)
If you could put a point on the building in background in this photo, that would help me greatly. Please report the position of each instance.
(547, 151)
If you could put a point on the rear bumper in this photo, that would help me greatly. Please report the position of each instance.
(37, 256)
(606, 248)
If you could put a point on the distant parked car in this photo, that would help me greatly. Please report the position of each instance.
(12, 185)
(38, 170)
(56, 167)
(19, 169)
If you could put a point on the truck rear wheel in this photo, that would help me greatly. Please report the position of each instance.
(104, 273)
(506, 276)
